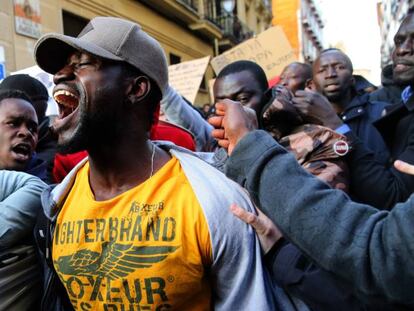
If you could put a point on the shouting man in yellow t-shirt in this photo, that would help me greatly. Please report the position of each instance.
(138, 225)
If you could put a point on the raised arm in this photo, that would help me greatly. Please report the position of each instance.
(179, 112)
(357, 242)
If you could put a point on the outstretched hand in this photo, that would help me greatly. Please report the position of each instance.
(231, 123)
(266, 230)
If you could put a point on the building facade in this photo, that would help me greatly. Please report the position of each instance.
(302, 23)
(187, 29)
(390, 15)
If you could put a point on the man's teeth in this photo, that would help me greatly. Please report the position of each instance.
(63, 92)
(60, 95)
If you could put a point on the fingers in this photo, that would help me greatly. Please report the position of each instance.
(301, 93)
(218, 133)
(404, 167)
(223, 105)
(224, 143)
(266, 230)
(231, 123)
(251, 121)
(216, 121)
(301, 104)
(248, 218)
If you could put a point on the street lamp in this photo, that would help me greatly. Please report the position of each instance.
(228, 5)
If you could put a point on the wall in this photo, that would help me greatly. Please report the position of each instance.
(173, 37)
(285, 14)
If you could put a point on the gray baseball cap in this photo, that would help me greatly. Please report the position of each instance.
(107, 37)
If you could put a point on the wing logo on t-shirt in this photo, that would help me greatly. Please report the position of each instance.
(115, 261)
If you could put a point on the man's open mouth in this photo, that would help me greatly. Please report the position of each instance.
(67, 101)
(22, 152)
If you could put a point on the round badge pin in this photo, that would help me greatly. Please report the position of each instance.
(341, 147)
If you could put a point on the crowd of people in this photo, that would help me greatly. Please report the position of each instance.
(295, 196)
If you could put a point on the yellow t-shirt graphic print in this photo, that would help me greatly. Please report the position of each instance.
(146, 249)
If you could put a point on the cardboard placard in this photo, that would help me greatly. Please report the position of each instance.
(186, 77)
(270, 49)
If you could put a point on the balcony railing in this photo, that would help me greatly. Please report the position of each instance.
(191, 3)
(233, 28)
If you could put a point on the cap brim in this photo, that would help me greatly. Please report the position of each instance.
(52, 51)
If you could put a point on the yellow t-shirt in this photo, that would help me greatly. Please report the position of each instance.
(146, 249)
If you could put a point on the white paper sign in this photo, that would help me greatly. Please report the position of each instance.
(186, 77)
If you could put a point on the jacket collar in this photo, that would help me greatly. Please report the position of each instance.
(357, 101)
(355, 109)
(53, 199)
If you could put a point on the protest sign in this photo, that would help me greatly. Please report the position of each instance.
(270, 49)
(186, 77)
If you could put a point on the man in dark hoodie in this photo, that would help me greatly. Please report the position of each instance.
(391, 89)
(394, 78)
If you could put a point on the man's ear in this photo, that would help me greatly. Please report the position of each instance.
(139, 89)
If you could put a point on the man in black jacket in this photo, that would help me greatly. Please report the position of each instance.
(332, 78)
(374, 181)
(395, 77)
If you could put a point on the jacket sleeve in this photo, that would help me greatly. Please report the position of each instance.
(332, 171)
(360, 244)
(179, 112)
(19, 205)
(238, 275)
(375, 183)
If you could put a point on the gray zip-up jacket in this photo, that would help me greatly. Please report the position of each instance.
(19, 205)
(239, 280)
(371, 249)
(19, 269)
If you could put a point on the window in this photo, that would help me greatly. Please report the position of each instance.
(73, 24)
(174, 59)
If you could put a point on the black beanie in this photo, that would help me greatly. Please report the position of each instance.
(27, 84)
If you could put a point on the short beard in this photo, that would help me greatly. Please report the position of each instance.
(78, 141)
(96, 130)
